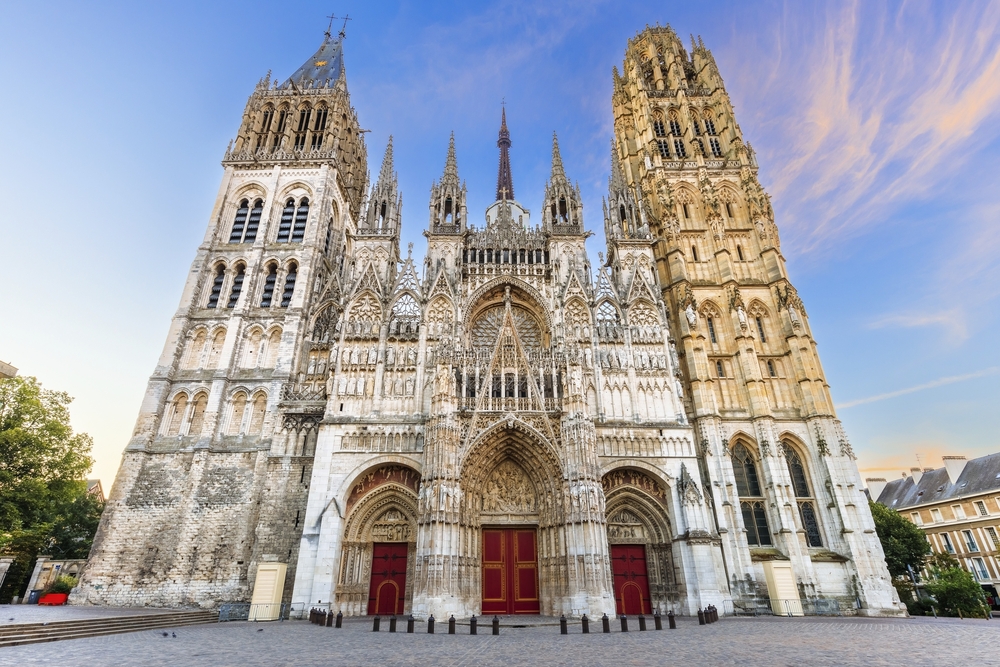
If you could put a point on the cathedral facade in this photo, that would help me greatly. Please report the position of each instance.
(503, 427)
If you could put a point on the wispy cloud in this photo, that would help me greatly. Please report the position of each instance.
(882, 107)
(940, 382)
(952, 320)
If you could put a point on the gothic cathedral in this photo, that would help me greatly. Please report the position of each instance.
(504, 427)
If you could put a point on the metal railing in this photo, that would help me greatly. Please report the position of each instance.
(792, 607)
(246, 611)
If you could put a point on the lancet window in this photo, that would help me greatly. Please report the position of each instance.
(301, 215)
(285, 226)
(239, 222)
(269, 281)
(286, 295)
(220, 278)
(752, 504)
(234, 293)
(800, 487)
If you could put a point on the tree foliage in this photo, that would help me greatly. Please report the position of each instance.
(904, 544)
(957, 592)
(44, 505)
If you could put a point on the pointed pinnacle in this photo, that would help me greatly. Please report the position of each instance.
(451, 164)
(557, 163)
(385, 175)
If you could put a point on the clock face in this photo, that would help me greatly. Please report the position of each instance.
(319, 63)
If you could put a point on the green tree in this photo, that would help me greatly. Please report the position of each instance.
(957, 592)
(904, 544)
(42, 465)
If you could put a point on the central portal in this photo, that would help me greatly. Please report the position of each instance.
(510, 571)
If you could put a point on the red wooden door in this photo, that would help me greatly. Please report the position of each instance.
(510, 571)
(628, 565)
(388, 584)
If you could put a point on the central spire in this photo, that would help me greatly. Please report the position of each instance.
(505, 184)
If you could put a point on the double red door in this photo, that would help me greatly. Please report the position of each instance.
(510, 571)
(628, 565)
(388, 584)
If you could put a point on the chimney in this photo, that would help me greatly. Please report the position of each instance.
(875, 486)
(955, 465)
(916, 474)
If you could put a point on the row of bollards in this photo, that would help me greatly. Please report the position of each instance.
(709, 614)
(325, 618)
(411, 622)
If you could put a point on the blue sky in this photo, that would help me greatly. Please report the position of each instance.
(876, 127)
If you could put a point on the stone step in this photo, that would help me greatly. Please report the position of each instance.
(35, 633)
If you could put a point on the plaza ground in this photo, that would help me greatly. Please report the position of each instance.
(732, 641)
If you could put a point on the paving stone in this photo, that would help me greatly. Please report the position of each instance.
(773, 642)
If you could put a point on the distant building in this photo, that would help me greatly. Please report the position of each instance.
(94, 488)
(7, 371)
(958, 506)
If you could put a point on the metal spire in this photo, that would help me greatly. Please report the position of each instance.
(505, 184)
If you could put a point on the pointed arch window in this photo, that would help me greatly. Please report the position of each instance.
(285, 226)
(679, 148)
(760, 329)
(177, 414)
(253, 222)
(220, 278)
(663, 146)
(658, 128)
(800, 487)
(752, 505)
(711, 329)
(269, 281)
(286, 295)
(301, 216)
(675, 127)
(563, 211)
(198, 414)
(715, 147)
(710, 126)
(239, 222)
(234, 293)
(239, 408)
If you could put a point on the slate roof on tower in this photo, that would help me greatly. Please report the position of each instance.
(326, 64)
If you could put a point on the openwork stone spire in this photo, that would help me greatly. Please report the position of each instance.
(505, 183)
(557, 164)
(450, 176)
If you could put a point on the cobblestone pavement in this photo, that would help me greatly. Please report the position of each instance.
(773, 642)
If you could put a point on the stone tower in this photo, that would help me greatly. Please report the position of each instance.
(216, 475)
(778, 463)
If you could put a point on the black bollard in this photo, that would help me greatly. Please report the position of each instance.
(392, 623)
(562, 625)
(642, 623)
(472, 625)
(496, 625)
(409, 624)
(312, 615)
(329, 619)
(606, 622)
(585, 623)
(624, 620)
(376, 623)
(451, 625)
(701, 616)
(340, 619)
(430, 625)
(657, 621)
(671, 621)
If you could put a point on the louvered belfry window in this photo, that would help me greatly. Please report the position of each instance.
(269, 281)
(285, 227)
(234, 293)
(220, 277)
(286, 296)
(253, 222)
(236, 235)
(299, 231)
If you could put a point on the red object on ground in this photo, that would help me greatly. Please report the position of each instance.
(53, 599)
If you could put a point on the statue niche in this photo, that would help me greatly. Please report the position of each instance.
(508, 491)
